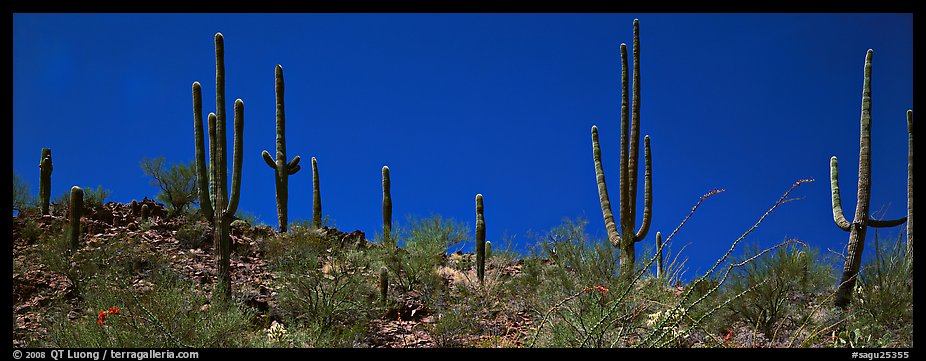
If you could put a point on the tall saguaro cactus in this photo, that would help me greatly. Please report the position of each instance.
(316, 196)
(387, 208)
(910, 190)
(216, 203)
(480, 239)
(75, 210)
(861, 221)
(627, 237)
(660, 271)
(45, 179)
(282, 169)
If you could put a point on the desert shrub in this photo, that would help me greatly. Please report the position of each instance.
(21, 196)
(882, 307)
(172, 313)
(425, 242)
(177, 183)
(193, 234)
(94, 198)
(778, 286)
(326, 295)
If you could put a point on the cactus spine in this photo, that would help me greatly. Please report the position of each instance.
(282, 169)
(45, 179)
(316, 196)
(75, 210)
(626, 238)
(223, 206)
(480, 239)
(660, 271)
(860, 223)
(387, 208)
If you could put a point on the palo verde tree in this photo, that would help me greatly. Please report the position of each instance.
(627, 237)
(860, 223)
(215, 202)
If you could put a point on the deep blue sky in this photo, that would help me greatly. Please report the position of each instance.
(498, 104)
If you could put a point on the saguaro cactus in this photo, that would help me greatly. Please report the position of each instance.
(628, 173)
(45, 179)
(480, 239)
(383, 283)
(145, 210)
(861, 221)
(387, 208)
(316, 196)
(219, 207)
(282, 169)
(488, 249)
(910, 190)
(75, 210)
(660, 271)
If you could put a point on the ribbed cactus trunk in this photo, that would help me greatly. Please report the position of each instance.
(387, 208)
(488, 250)
(222, 206)
(861, 222)
(910, 191)
(383, 284)
(626, 238)
(45, 179)
(316, 196)
(480, 240)
(282, 169)
(145, 210)
(75, 210)
(660, 271)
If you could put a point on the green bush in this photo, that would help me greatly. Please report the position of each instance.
(21, 196)
(882, 305)
(170, 314)
(177, 183)
(425, 242)
(778, 288)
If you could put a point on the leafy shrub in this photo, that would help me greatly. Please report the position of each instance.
(21, 196)
(883, 300)
(426, 241)
(94, 198)
(177, 183)
(778, 287)
(170, 314)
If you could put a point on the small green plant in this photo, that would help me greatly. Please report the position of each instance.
(94, 198)
(177, 183)
(21, 196)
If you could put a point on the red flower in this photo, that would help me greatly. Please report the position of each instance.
(101, 317)
(729, 333)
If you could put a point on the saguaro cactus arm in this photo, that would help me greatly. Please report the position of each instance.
(625, 118)
(202, 177)
(647, 193)
(613, 235)
(634, 119)
(269, 159)
(838, 214)
(236, 167)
